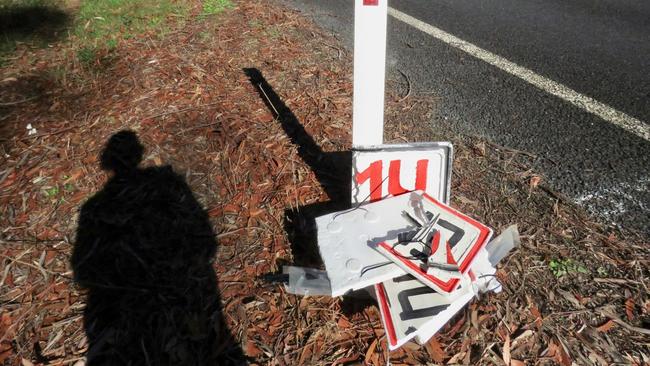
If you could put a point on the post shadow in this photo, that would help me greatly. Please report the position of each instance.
(333, 171)
(144, 253)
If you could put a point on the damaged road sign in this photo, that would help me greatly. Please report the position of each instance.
(358, 245)
(411, 309)
(390, 170)
(345, 241)
(449, 237)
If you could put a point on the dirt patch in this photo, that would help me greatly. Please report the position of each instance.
(262, 167)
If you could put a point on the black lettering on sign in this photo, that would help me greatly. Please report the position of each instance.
(408, 313)
(458, 232)
(404, 278)
(426, 249)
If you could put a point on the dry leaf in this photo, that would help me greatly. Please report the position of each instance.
(76, 174)
(215, 212)
(231, 208)
(305, 354)
(474, 317)
(252, 350)
(255, 213)
(537, 314)
(523, 336)
(344, 323)
(535, 181)
(506, 350)
(9, 180)
(456, 358)
(5, 351)
(479, 148)
(435, 351)
(346, 360)
(629, 308)
(571, 298)
(606, 326)
(558, 354)
(371, 351)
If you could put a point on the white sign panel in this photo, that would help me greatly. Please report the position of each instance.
(370, 18)
(346, 240)
(389, 170)
(410, 309)
(454, 237)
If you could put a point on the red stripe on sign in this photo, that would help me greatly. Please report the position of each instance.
(448, 286)
(484, 232)
(370, 2)
(385, 310)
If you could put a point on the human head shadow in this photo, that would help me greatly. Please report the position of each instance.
(332, 170)
(144, 252)
(32, 22)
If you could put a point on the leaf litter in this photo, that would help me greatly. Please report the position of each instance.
(194, 108)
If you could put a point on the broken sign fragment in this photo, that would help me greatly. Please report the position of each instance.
(411, 309)
(307, 281)
(425, 259)
(346, 240)
(443, 248)
(484, 267)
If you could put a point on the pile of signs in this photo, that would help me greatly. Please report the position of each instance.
(423, 260)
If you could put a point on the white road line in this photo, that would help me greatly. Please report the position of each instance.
(584, 102)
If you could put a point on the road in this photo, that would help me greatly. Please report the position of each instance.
(597, 49)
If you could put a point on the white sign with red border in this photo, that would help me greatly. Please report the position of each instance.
(410, 309)
(457, 236)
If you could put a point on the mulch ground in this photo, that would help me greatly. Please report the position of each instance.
(253, 109)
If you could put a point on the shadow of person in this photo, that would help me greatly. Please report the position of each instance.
(144, 253)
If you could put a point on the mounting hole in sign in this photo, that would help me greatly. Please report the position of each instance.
(353, 265)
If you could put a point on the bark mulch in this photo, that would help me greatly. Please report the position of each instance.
(252, 109)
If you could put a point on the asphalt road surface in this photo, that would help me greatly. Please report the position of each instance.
(595, 150)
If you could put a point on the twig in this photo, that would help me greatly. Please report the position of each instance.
(49, 133)
(204, 125)
(336, 48)
(618, 281)
(183, 110)
(609, 314)
(7, 104)
(408, 82)
(514, 151)
(227, 233)
(43, 270)
(268, 100)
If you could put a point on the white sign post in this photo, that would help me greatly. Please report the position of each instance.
(370, 18)
(380, 171)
